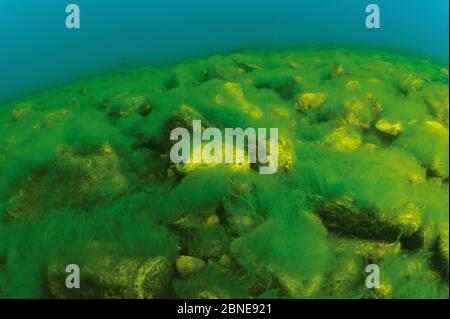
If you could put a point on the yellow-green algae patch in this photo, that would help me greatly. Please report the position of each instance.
(85, 178)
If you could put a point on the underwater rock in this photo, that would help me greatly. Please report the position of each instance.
(338, 71)
(233, 95)
(183, 117)
(212, 282)
(352, 85)
(21, 110)
(225, 261)
(345, 279)
(212, 221)
(407, 277)
(52, 119)
(299, 286)
(343, 217)
(285, 155)
(375, 104)
(108, 277)
(71, 180)
(352, 257)
(241, 223)
(246, 66)
(429, 142)
(203, 238)
(344, 139)
(439, 106)
(308, 101)
(387, 127)
(356, 113)
(369, 251)
(411, 85)
(188, 265)
(124, 104)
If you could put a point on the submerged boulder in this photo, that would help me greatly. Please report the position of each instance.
(112, 277)
(188, 265)
(344, 139)
(310, 101)
(72, 180)
(344, 217)
(387, 127)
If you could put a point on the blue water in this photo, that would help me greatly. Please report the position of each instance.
(37, 51)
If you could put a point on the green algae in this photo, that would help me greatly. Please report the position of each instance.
(363, 178)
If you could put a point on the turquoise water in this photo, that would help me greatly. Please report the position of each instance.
(38, 51)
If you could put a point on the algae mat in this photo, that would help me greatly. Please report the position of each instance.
(85, 179)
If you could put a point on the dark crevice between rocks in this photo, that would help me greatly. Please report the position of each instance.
(412, 242)
(287, 93)
(153, 145)
(385, 138)
(209, 75)
(432, 173)
(438, 260)
(171, 83)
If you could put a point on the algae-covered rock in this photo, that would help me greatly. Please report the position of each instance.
(309, 101)
(300, 287)
(439, 105)
(124, 104)
(345, 279)
(444, 75)
(343, 217)
(212, 220)
(356, 113)
(352, 256)
(108, 277)
(188, 265)
(387, 127)
(212, 282)
(429, 142)
(72, 179)
(352, 85)
(407, 277)
(241, 223)
(369, 251)
(374, 103)
(21, 110)
(338, 71)
(245, 65)
(183, 117)
(344, 139)
(411, 85)
(192, 165)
